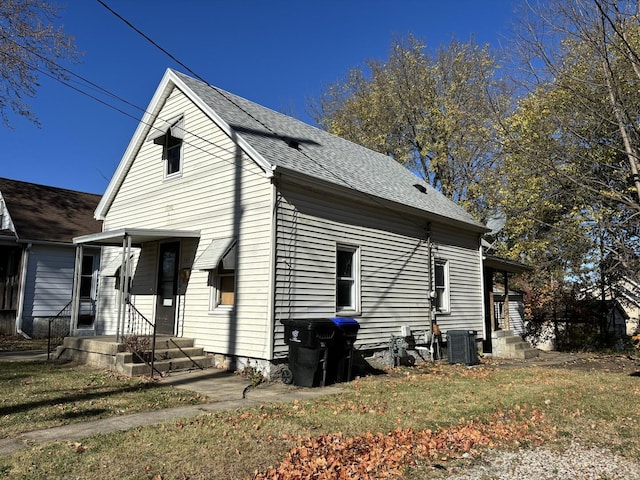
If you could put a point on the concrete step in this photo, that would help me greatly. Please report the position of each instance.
(169, 365)
(161, 354)
(506, 344)
(501, 333)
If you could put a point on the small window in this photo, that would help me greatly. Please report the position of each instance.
(170, 136)
(222, 281)
(172, 155)
(347, 281)
(441, 284)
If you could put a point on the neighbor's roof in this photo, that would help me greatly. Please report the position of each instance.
(267, 137)
(48, 214)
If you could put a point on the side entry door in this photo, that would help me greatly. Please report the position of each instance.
(167, 288)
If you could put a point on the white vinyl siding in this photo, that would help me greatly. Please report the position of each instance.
(465, 272)
(49, 280)
(393, 260)
(394, 266)
(221, 192)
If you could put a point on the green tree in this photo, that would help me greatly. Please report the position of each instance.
(435, 113)
(569, 178)
(31, 45)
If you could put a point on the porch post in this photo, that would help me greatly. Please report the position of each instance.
(507, 326)
(75, 294)
(127, 276)
(120, 321)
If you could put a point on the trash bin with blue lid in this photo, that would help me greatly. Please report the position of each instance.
(309, 341)
(341, 357)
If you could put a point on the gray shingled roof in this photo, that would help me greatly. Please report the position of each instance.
(323, 155)
(49, 214)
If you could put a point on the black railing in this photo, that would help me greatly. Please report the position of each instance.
(140, 337)
(58, 328)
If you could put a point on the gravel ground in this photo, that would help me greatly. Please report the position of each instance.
(576, 463)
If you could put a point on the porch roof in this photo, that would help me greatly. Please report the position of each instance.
(505, 265)
(138, 236)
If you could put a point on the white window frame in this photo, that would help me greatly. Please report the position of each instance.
(354, 278)
(442, 300)
(215, 295)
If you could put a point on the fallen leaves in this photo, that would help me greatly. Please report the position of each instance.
(77, 446)
(379, 455)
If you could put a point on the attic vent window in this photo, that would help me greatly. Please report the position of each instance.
(421, 188)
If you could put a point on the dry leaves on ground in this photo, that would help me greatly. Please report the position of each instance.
(378, 455)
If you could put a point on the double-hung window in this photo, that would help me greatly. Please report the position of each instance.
(347, 279)
(441, 285)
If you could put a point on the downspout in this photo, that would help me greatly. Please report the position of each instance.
(23, 283)
(431, 314)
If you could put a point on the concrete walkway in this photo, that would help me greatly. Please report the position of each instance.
(224, 390)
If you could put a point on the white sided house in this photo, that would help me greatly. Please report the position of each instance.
(224, 218)
(37, 258)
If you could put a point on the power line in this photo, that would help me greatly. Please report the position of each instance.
(123, 112)
(226, 97)
(150, 40)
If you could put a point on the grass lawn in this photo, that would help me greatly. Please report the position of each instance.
(38, 395)
(17, 343)
(401, 424)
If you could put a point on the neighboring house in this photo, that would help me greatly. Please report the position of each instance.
(627, 292)
(37, 255)
(510, 309)
(224, 218)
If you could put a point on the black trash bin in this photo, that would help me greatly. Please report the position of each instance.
(461, 345)
(341, 357)
(309, 341)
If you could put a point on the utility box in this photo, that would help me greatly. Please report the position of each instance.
(461, 345)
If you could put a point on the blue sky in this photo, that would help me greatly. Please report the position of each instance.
(277, 53)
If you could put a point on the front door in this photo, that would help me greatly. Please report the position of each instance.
(167, 288)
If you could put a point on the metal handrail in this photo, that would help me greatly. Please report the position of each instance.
(64, 314)
(140, 326)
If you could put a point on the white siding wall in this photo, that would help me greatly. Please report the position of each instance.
(221, 193)
(465, 275)
(49, 280)
(394, 267)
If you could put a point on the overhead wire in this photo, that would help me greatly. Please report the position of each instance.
(372, 198)
(123, 100)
